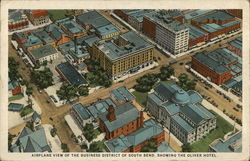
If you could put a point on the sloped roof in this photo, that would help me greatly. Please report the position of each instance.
(82, 111)
(36, 116)
(125, 113)
(121, 143)
(122, 94)
(182, 123)
(15, 106)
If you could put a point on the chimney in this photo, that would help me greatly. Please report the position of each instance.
(111, 113)
(141, 119)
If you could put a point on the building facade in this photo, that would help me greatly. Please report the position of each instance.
(38, 17)
(122, 54)
(17, 20)
(180, 112)
(42, 54)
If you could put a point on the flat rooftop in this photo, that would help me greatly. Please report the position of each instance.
(196, 13)
(217, 15)
(194, 32)
(163, 20)
(115, 52)
(71, 74)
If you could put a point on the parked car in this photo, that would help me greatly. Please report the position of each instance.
(53, 98)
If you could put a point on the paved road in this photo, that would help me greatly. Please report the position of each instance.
(49, 110)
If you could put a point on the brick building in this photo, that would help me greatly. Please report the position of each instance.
(17, 20)
(59, 36)
(235, 12)
(123, 119)
(136, 140)
(196, 36)
(14, 88)
(218, 66)
(235, 46)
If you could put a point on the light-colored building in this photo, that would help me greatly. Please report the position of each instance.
(123, 54)
(42, 54)
(181, 112)
(38, 17)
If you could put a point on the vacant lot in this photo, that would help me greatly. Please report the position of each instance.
(57, 14)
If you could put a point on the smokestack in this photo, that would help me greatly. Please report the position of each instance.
(141, 119)
(111, 113)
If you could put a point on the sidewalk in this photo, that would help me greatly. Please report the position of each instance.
(54, 142)
(209, 106)
(230, 95)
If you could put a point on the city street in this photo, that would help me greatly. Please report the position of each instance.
(55, 115)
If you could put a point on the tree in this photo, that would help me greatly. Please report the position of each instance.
(186, 148)
(166, 72)
(150, 146)
(42, 79)
(10, 139)
(89, 132)
(185, 83)
(30, 125)
(83, 91)
(29, 91)
(146, 82)
(64, 147)
(96, 146)
(67, 92)
(53, 132)
(13, 66)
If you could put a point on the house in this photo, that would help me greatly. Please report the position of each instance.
(180, 112)
(42, 54)
(14, 88)
(36, 120)
(57, 34)
(16, 107)
(121, 95)
(31, 141)
(44, 37)
(38, 17)
(233, 144)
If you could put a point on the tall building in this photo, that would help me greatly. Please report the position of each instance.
(123, 54)
(168, 33)
(181, 112)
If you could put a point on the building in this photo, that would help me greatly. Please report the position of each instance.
(57, 34)
(133, 17)
(180, 112)
(38, 17)
(89, 41)
(14, 88)
(233, 144)
(235, 46)
(82, 116)
(136, 140)
(189, 16)
(123, 119)
(197, 37)
(71, 28)
(71, 75)
(121, 95)
(95, 23)
(16, 107)
(217, 66)
(170, 34)
(123, 54)
(31, 141)
(44, 37)
(217, 23)
(43, 54)
(235, 12)
(36, 120)
(17, 20)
